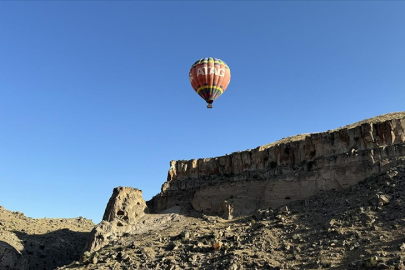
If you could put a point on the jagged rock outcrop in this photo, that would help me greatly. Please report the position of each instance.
(290, 169)
(125, 207)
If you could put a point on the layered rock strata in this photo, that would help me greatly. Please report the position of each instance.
(290, 169)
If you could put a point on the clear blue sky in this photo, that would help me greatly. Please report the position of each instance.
(95, 94)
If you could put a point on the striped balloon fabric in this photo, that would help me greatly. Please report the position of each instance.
(209, 77)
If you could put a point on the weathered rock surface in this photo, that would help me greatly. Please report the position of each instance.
(125, 207)
(290, 169)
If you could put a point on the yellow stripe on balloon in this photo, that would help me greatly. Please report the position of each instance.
(210, 86)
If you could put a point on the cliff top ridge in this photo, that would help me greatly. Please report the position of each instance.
(372, 120)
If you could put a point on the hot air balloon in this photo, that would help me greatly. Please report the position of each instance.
(209, 77)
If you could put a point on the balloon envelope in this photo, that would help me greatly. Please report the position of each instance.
(210, 77)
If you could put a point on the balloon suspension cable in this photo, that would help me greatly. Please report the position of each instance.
(209, 106)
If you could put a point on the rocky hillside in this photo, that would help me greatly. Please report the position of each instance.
(27, 243)
(362, 227)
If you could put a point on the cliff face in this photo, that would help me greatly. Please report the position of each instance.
(290, 169)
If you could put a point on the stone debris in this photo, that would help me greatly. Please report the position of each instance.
(217, 245)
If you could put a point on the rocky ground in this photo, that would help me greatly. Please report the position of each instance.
(27, 243)
(362, 227)
(359, 228)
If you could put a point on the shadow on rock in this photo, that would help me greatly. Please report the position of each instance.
(45, 251)
(8, 256)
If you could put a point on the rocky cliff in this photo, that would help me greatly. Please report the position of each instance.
(287, 170)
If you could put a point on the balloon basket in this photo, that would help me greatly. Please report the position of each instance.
(209, 106)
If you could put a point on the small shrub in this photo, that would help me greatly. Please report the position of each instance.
(372, 262)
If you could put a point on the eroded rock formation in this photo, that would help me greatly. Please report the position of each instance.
(125, 207)
(290, 169)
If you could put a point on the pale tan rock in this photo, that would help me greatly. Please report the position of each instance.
(227, 209)
(101, 235)
(217, 245)
(172, 171)
(126, 205)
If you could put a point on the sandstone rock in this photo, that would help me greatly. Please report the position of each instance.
(263, 214)
(101, 235)
(185, 235)
(227, 209)
(290, 169)
(285, 210)
(217, 245)
(401, 265)
(125, 205)
(94, 260)
(384, 199)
